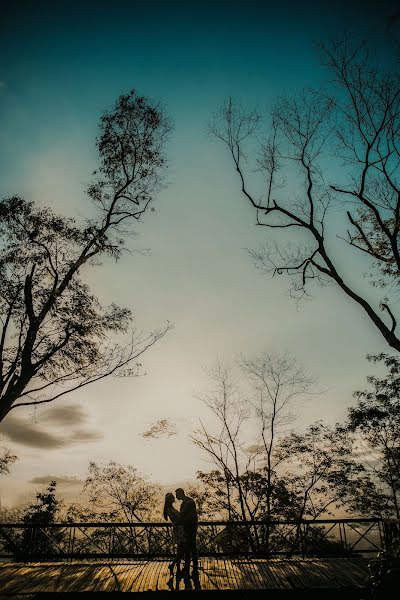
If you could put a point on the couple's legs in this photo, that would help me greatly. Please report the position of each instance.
(180, 553)
(191, 549)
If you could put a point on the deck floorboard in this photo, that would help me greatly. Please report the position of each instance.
(154, 575)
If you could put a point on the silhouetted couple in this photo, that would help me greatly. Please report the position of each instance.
(184, 531)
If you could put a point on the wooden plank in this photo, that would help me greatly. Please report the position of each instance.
(7, 577)
(202, 574)
(231, 570)
(160, 582)
(278, 573)
(87, 582)
(123, 572)
(349, 574)
(139, 576)
(120, 570)
(147, 582)
(258, 576)
(247, 577)
(251, 574)
(17, 583)
(297, 578)
(132, 577)
(269, 576)
(99, 574)
(57, 577)
(226, 582)
(128, 573)
(325, 575)
(218, 573)
(210, 580)
(308, 574)
(110, 578)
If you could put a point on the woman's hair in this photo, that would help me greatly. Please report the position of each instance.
(169, 500)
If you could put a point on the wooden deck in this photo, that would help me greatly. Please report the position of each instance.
(214, 574)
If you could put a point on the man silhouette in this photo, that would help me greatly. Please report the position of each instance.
(190, 519)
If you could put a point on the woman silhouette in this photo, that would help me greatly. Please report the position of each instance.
(178, 531)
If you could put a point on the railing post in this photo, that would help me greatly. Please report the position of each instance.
(30, 542)
(345, 538)
(73, 542)
(111, 541)
(341, 537)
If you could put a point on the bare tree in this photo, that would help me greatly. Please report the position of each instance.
(278, 382)
(340, 152)
(247, 468)
(56, 337)
(225, 446)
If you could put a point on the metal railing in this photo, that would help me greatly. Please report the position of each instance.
(305, 538)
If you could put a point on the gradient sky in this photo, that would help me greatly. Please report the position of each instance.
(62, 64)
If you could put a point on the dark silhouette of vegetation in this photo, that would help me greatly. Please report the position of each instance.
(282, 475)
(56, 336)
(340, 151)
(115, 492)
(6, 460)
(39, 541)
(294, 475)
(375, 427)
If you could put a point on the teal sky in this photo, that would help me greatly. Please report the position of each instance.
(62, 64)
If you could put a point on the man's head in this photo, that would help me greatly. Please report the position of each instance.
(180, 494)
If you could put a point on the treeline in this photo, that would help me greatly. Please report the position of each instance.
(262, 467)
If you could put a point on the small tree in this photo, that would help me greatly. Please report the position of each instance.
(56, 337)
(118, 492)
(319, 469)
(44, 512)
(375, 427)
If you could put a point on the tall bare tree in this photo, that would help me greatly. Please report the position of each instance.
(56, 337)
(225, 447)
(246, 467)
(278, 382)
(323, 154)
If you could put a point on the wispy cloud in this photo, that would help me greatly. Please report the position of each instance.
(56, 428)
(64, 415)
(29, 434)
(61, 480)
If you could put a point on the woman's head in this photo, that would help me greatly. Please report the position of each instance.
(169, 500)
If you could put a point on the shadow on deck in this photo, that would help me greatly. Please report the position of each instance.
(240, 577)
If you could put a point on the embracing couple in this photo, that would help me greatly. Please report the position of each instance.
(184, 531)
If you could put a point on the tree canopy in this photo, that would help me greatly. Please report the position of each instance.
(56, 336)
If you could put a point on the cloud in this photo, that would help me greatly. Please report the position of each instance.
(86, 436)
(61, 480)
(46, 433)
(64, 415)
(29, 434)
